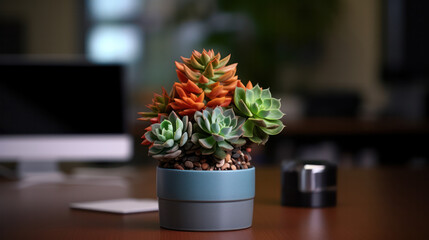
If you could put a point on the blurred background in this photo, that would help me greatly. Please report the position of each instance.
(352, 75)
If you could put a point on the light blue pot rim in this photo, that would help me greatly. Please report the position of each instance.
(195, 185)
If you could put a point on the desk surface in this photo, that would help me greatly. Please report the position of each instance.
(372, 204)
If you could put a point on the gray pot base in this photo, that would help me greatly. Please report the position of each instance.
(205, 216)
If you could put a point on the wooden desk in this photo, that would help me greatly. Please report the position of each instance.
(372, 204)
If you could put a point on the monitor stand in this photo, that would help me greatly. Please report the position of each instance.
(37, 172)
(36, 167)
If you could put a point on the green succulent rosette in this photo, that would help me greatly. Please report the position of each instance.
(169, 137)
(217, 131)
(262, 112)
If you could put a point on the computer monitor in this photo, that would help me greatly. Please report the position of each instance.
(53, 111)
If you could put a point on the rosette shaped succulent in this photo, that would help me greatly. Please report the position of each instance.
(168, 137)
(159, 107)
(210, 73)
(217, 131)
(262, 112)
(188, 98)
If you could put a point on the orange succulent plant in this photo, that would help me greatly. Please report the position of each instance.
(211, 74)
(205, 80)
(188, 98)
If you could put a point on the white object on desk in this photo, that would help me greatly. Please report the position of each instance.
(121, 206)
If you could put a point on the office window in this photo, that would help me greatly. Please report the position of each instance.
(114, 32)
(114, 9)
(114, 43)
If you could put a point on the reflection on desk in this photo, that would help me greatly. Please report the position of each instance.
(372, 204)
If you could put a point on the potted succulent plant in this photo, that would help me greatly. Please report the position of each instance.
(202, 134)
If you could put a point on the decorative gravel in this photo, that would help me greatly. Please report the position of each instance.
(238, 158)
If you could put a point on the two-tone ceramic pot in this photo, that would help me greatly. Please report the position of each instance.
(194, 200)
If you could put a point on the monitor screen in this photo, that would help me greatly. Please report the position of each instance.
(55, 111)
(73, 98)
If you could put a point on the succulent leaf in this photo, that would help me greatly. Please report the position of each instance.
(254, 108)
(248, 128)
(275, 104)
(183, 139)
(238, 142)
(250, 98)
(274, 114)
(148, 136)
(240, 93)
(243, 108)
(205, 151)
(225, 146)
(272, 131)
(224, 61)
(178, 134)
(226, 130)
(218, 137)
(208, 142)
(215, 127)
(256, 139)
(266, 94)
(173, 149)
(168, 144)
(220, 153)
(258, 122)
